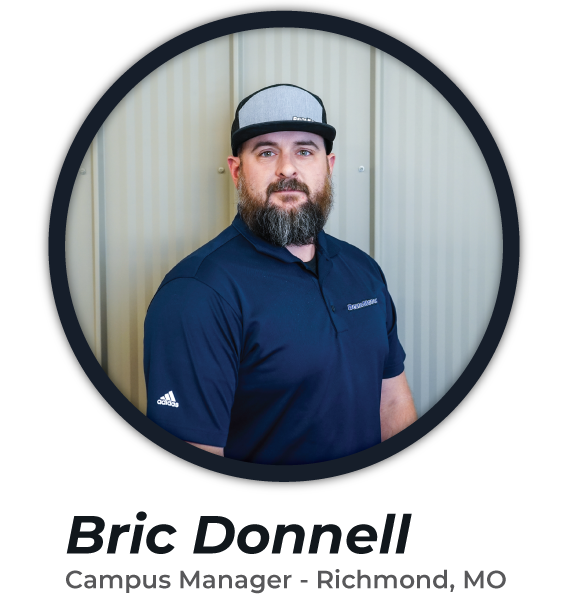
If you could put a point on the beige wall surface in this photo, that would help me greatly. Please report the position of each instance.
(411, 189)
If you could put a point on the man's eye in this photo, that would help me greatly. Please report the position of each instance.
(266, 154)
(305, 152)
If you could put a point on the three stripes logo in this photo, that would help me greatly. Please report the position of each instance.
(168, 399)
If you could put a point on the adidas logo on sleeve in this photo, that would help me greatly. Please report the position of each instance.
(168, 399)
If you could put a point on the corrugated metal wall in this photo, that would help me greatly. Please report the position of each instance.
(438, 229)
(423, 205)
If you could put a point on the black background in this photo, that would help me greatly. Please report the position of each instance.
(462, 481)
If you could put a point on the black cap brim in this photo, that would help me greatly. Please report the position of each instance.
(326, 131)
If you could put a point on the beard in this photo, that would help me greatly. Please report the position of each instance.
(294, 225)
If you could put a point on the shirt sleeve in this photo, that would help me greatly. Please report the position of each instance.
(394, 363)
(191, 357)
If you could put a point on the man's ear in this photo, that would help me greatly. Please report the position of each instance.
(234, 166)
(331, 161)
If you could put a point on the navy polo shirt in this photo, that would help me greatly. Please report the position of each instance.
(248, 350)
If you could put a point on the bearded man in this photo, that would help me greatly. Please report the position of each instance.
(276, 343)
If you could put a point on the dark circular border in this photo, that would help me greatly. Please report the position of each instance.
(369, 36)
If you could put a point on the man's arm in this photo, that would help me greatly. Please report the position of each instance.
(209, 448)
(396, 409)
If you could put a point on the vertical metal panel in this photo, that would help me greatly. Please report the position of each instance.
(235, 50)
(80, 250)
(438, 227)
(164, 196)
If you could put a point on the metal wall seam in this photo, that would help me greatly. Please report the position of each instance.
(100, 245)
(376, 148)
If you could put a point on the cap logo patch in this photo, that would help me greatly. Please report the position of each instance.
(301, 118)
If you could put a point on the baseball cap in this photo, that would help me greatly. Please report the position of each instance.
(280, 108)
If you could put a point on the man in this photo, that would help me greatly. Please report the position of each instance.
(275, 343)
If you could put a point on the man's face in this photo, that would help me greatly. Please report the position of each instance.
(284, 185)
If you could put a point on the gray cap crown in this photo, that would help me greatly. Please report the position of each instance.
(280, 108)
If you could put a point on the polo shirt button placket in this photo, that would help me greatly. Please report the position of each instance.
(331, 308)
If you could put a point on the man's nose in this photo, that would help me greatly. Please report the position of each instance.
(285, 167)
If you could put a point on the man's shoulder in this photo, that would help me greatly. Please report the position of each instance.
(209, 259)
(204, 273)
(358, 260)
(351, 254)
(202, 276)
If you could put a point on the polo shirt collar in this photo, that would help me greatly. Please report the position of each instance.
(326, 246)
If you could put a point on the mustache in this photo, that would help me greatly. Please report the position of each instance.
(283, 184)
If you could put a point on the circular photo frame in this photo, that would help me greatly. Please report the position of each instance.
(368, 36)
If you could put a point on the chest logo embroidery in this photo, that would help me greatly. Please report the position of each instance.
(360, 305)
